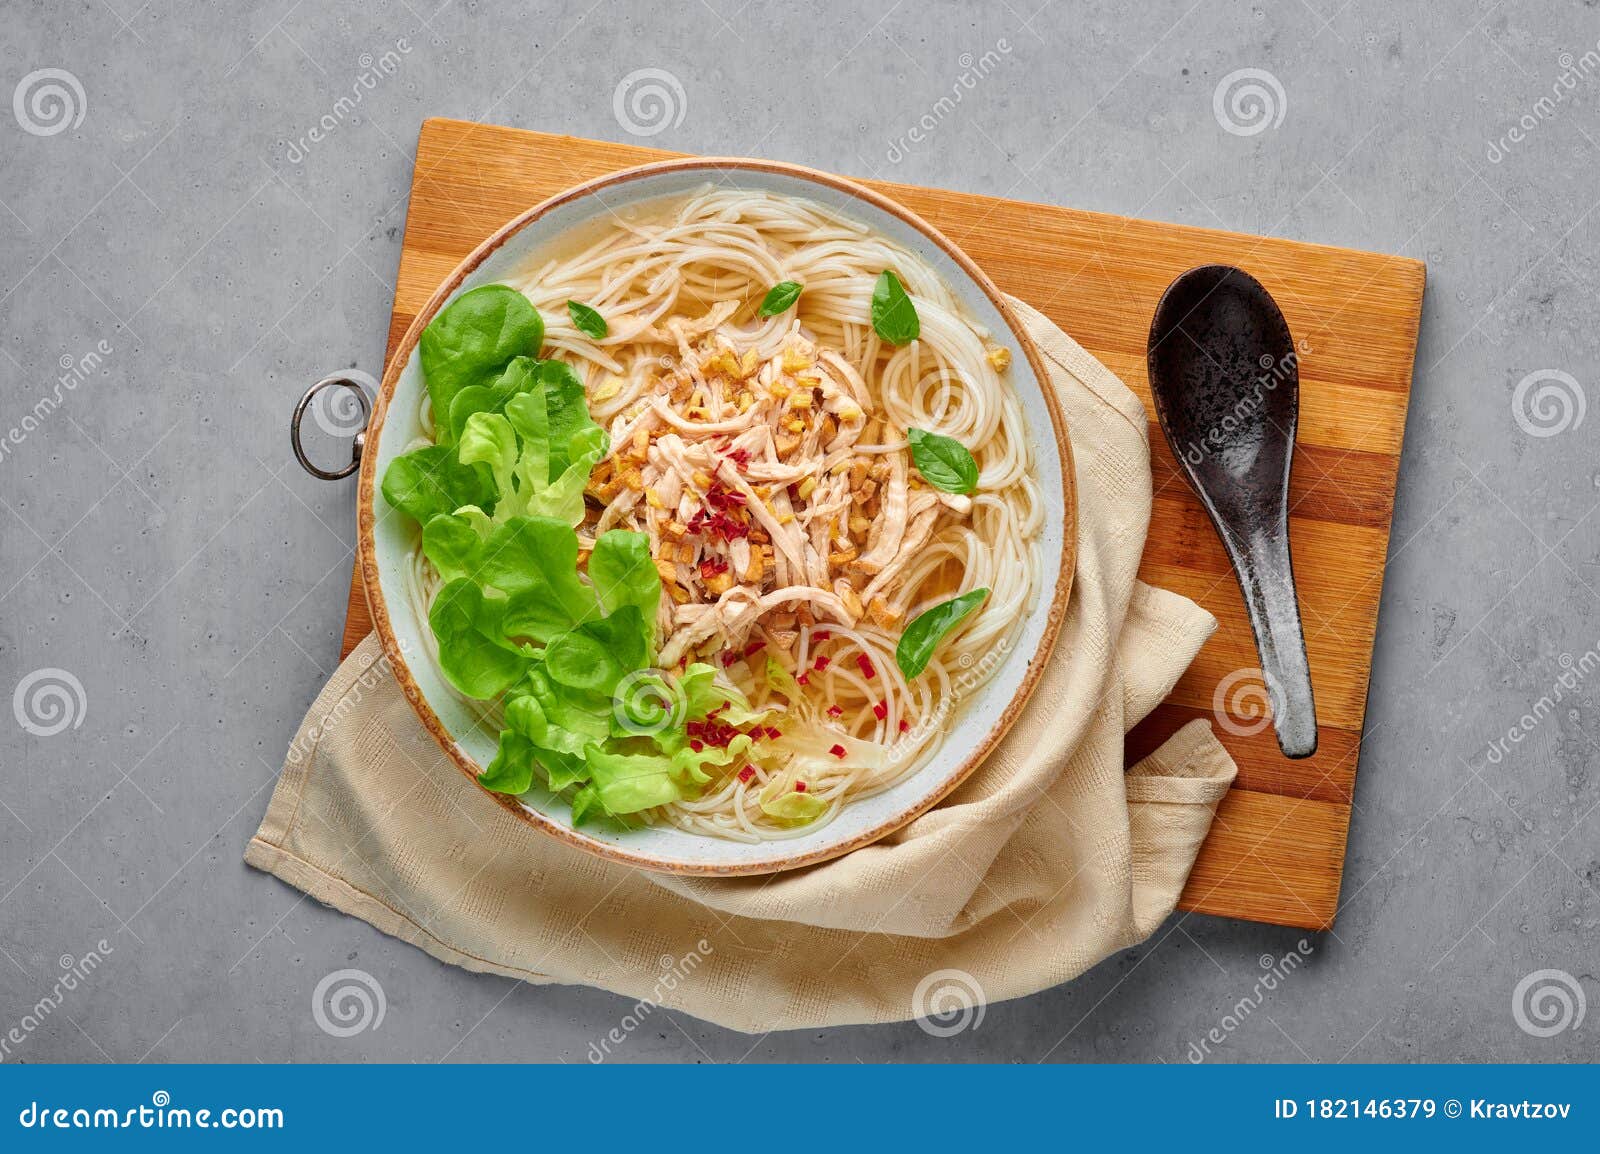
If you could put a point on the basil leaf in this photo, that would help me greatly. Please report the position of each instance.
(894, 317)
(590, 323)
(922, 636)
(780, 298)
(471, 341)
(943, 461)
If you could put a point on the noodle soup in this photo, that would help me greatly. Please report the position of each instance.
(724, 508)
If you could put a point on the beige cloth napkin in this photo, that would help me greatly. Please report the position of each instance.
(1049, 858)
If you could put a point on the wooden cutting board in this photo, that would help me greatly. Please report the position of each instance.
(1276, 852)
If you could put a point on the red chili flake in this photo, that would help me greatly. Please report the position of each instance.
(865, 664)
(747, 773)
(754, 647)
(799, 787)
(712, 566)
(837, 751)
(724, 499)
(820, 664)
(881, 710)
(728, 528)
(821, 635)
(772, 733)
(835, 711)
(697, 745)
(728, 658)
(904, 725)
(803, 679)
(718, 523)
(740, 458)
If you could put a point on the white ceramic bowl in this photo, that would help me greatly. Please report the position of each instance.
(977, 726)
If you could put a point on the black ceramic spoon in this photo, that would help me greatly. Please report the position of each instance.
(1226, 382)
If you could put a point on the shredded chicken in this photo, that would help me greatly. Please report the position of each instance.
(772, 495)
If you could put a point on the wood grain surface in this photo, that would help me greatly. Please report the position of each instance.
(1276, 852)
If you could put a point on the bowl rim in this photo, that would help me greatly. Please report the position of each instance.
(366, 547)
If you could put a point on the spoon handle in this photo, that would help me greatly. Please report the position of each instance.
(1267, 580)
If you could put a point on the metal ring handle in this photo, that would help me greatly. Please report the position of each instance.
(356, 445)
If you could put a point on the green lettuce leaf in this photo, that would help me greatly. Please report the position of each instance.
(573, 719)
(586, 805)
(562, 770)
(568, 410)
(511, 771)
(623, 573)
(782, 681)
(703, 694)
(519, 376)
(470, 343)
(431, 480)
(627, 783)
(454, 545)
(779, 800)
(562, 499)
(538, 555)
(596, 655)
(651, 705)
(529, 417)
(488, 439)
(473, 651)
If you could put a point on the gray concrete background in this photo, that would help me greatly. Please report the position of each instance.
(158, 543)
